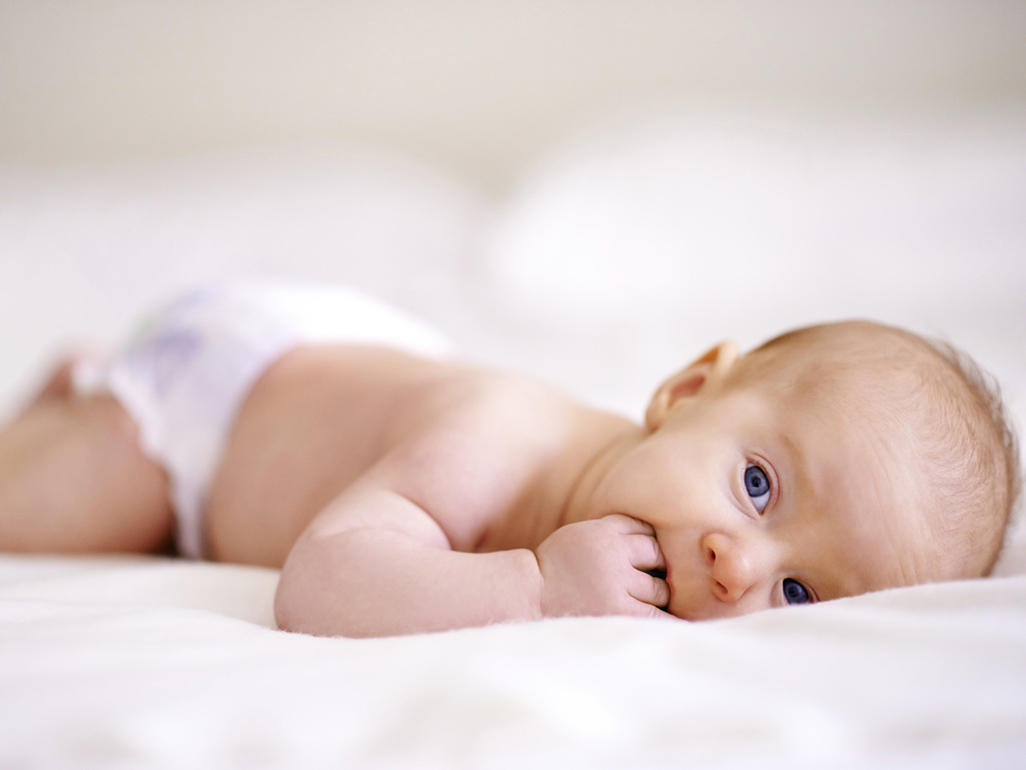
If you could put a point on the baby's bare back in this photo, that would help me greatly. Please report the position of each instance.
(322, 417)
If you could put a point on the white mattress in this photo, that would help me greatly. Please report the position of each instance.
(150, 662)
(147, 662)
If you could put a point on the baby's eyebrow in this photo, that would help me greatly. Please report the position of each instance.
(798, 466)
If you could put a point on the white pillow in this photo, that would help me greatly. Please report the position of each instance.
(638, 245)
(770, 217)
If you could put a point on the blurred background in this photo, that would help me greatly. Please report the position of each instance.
(589, 191)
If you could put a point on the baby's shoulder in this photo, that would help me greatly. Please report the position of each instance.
(485, 414)
(479, 450)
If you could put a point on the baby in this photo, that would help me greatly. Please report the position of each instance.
(402, 491)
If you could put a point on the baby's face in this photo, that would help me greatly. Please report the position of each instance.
(762, 497)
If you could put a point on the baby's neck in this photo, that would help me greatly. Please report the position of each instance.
(602, 441)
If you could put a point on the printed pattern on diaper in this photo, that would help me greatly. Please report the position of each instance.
(165, 355)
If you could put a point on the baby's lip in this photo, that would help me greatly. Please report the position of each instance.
(673, 592)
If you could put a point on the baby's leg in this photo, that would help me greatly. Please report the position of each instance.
(73, 480)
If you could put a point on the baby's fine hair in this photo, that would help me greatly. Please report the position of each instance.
(970, 448)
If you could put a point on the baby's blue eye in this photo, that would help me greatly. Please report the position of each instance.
(757, 486)
(795, 592)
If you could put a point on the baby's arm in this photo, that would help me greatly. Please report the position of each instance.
(375, 563)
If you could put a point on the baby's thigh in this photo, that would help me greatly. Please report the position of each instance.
(73, 479)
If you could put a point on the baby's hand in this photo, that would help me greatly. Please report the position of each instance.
(596, 567)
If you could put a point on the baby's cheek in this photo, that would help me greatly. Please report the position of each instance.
(641, 485)
(684, 581)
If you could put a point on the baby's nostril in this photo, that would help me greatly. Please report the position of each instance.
(710, 554)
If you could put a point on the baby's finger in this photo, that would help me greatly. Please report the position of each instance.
(628, 525)
(645, 610)
(644, 552)
(648, 589)
(650, 611)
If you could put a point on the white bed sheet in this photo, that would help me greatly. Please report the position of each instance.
(150, 662)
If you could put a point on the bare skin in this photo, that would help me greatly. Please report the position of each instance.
(401, 495)
(465, 443)
(73, 479)
(334, 445)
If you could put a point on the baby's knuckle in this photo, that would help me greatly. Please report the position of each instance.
(662, 593)
(652, 545)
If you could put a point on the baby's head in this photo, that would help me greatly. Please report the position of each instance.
(935, 408)
(831, 460)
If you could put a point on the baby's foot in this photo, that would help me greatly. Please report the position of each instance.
(59, 383)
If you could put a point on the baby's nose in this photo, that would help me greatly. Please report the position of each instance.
(733, 567)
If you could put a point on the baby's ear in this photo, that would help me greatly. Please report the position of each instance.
(689, 382)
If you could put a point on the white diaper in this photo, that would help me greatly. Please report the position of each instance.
(185, 374)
